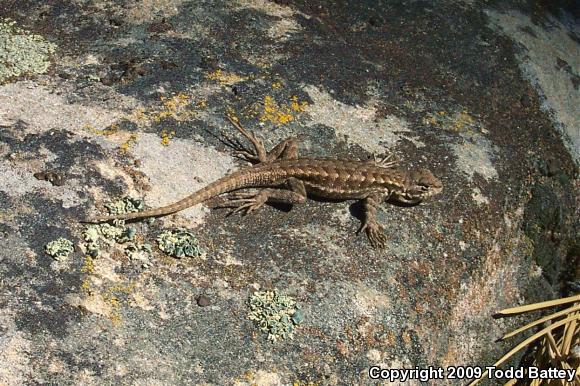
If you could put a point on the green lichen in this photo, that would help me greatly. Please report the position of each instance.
(138, 252)
(179, 243)
(127, 235)
(21, 52)
(111, 232)
(124, 205)
(275, 314)
(95, 235)
(105, 234)
(59, 249)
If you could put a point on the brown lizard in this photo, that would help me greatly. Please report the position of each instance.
(286, 178)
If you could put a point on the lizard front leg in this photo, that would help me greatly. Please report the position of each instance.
(372, 228)
(249, 202)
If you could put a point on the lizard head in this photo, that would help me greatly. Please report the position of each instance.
(421, 185)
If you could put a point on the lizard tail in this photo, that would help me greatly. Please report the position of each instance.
(238, 180)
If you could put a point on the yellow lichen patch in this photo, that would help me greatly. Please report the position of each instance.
(176, 107)
(115, 314)
(429, 120)
(112, 296)
(139, 116)
(245, 379)
(179, 107)
(101, 293)
(281, 114)
(460, 121)
(463, 120)
(276, 85)
(110, 299)
(89, 266)
(129, 143)
(275, 113)
(296, 105)
(124, 289)
(202, 104)
(112, 129)
(225, 78)
(166, 136)
(86, 285)
(269, 110)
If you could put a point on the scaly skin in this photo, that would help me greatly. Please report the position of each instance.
(284, 177)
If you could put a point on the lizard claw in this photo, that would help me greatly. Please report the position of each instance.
(375, 233)
(387, 161)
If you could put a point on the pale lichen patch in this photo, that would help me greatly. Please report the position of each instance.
(545, 47)
(368, 301)
(474, 155)
(93, 303)
(275, 314)
(179, 243)
(285, 25)
(42, 110)
(15, 182)
(144, 10)
(357, 124)
(479, 198)
(22, 52)
(180, 172)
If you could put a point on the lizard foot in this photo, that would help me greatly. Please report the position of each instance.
(247, 155)
(388, 161)
(246, 202)
(375, 233)
(240, 151)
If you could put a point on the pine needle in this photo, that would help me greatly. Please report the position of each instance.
(538, 306)
(541, 320)
(532, 338)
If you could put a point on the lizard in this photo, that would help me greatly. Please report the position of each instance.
(284, 177)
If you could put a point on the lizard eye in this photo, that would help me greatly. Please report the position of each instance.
(424, 188)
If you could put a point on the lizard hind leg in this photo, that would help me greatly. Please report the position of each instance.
(248, 202)
(259, 153)
(287, 149)
(390, 160)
